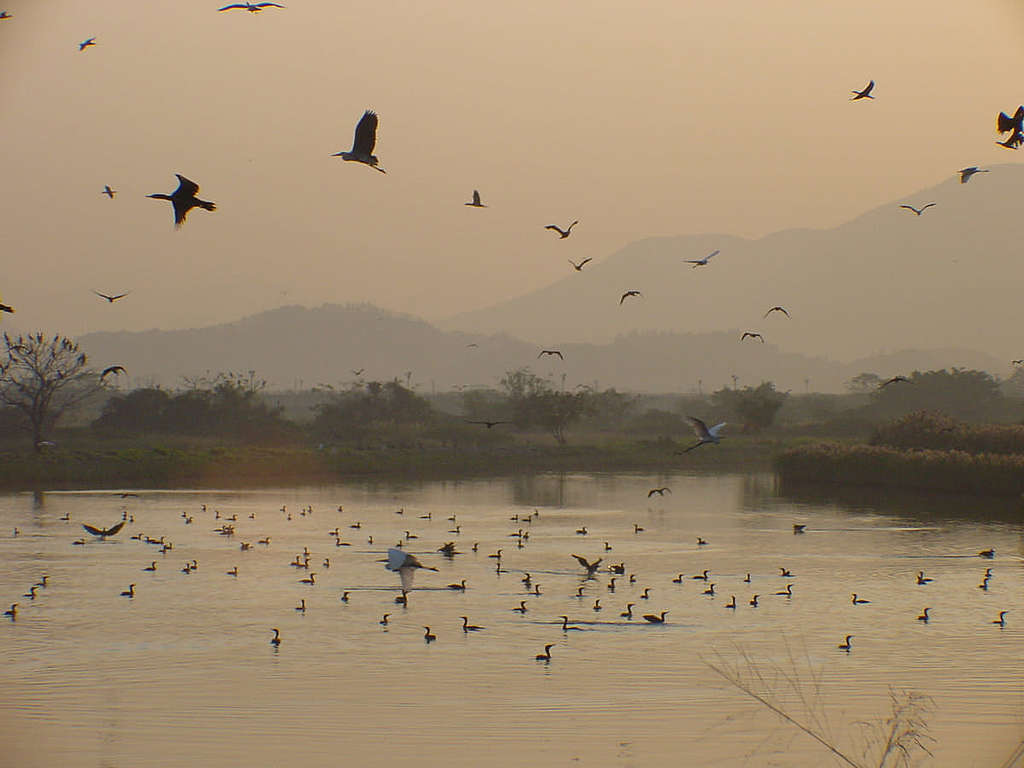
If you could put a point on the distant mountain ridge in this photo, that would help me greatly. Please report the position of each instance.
(296, 348)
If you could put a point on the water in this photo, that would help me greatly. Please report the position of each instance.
(184, 674)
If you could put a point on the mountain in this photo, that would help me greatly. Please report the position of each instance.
(885, 281)
(295, 347)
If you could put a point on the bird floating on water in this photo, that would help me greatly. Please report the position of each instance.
(922, 579)
(130, 592)
(467, 627)
(363, 142)
(864, 93)
(475, 202)
(546, 656)
(276, 639)
(12, 612)
(1001, 621)
(918, 211)
(924, 616)
(184, 199)
(858, 601)
(655, 619)
(987, 553)
(564, 233)
(845, 645)
(428, 635)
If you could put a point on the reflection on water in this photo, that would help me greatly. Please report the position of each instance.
(184, 672)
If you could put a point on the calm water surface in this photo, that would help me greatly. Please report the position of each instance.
(184, 674)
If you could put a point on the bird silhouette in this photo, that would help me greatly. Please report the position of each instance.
(894, 380)
(702, 262)
(628, 294)
(7, 308)
(406, 565)
(591, 567)
(363, 142)
(108, 191)
(660, 491)
(111, 299)
(5, 15)
(967, 173)
(475, 202)
(918, 211)
(487, 424)
(250, 7)
(777, 309)
(564, 233)
(550, 352)
(579, 267)
(115, 369)
(184, 200)
(86, 43)
(1014, 140)
(104, 532)
(1007, 124)
(752, 335)
(865, 93)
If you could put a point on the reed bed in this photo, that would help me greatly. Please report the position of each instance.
(928, 429)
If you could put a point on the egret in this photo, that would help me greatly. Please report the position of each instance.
(704, 433)
(865, 93)
(702, 262)
(104, 532)
(579, 267)
(564, 233)
(628, 294)
(918, 211)
(184, 199)
(967, 173)
(777, 309)
(406, 565)
(86, 43)
(108, 191)
(363, 142)
(551, 352)
(546, 656)
(475, 202)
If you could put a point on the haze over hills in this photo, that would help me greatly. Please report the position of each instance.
(887, 280)
(295, 347)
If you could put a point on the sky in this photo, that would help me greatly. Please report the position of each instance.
(639, 119)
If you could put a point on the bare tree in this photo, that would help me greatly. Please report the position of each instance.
(44, 378)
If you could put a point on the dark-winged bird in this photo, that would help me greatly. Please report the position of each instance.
(184, 200)
(591, 567)
(1014, 141)
(702, 262)
(864, 94)
(966, 173)
(627, 294)
(111, 299)
(1007, 124)
(579, 267)
(563, 232)
(550, 352)
(115, 369)
(5, 15)
(704, 433)
(752, 335)
(363, 142)
(108, 191)
(488, 424)
(918, 211)
(475, 202)
(777, 309)
(894, 380)
(250, 7)
(104, 532)
(6, 308)
(86, 43)
(660, 491)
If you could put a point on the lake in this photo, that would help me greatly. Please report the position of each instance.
(184, 673)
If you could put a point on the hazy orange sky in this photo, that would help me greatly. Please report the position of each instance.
(641, 118)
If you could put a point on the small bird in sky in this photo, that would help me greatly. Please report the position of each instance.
(475, 202)
(1013, 362)
(184, 200)
(358, 371)
(894, 380)
(660, 491)
(5, 15)
(918, 211)
(111, 299)
(550, 352)
(702, 262)
(704, 433)
(579, 267)
(250, 7)
(777, 309)
(114, 369)
(627, 294)
(488, 424)
(752, 335)
(363, 142)
(86, 43)
(864, 94)
(6, 308)
(108, 191)
(967, 173)
(563, 232)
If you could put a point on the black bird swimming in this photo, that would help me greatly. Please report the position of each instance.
(628, 613)
(130, 592)
(563, 232)
(546, 656)
(1001, 621)
(922, 579)
(858, 601)
(428, 635)
(565, 624)
(467, 627)
(363, 142)
(660, 619)
(276, 639)
(184, 199)
(924, 616)
(987, 553)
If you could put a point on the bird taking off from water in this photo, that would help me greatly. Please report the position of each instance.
(111, 299)
(702, 262)
(250, 7)
(406, 565)
(579, 267)
(488, 424)
(108, 191)
(967, 173)
(363, 142)
(86, 43)
(864, 94)
(184, 200)
(104, 532)
(475, 202)
(591, 567)
(777, 309)
(563, 232)
(918, 211)
(704, 433)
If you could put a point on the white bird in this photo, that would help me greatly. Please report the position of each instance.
(966, 173)
(702, 262)
(704, 433)
(406, 565)
(363, 142)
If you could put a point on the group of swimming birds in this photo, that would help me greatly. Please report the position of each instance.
(405, 564)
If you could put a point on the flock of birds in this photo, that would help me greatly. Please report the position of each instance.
(596, 580)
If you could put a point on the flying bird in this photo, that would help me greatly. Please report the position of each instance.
(864, 94)
(563, 232)
(250, 7)
(702, 262)
(475, 202)
(108, 191)
(627, 294)
(591, 567)
(579, 267)
(86, 43)
(488, 424)
(111, 299)
(5, 15)
(1007, 124)
(660, 491)
(406, 565)
(104, 532)
(752, 335)
(967, 173)
(358, 372)
(6, 308)
(184, 200)
(704, 433)
(1014, 141)
(363, 142)
(115, 369)
(777, 309)
(550, 352)
(894, 380)
(918, 211)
